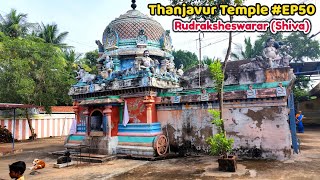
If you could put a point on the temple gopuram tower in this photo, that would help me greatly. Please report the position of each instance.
(134, 64)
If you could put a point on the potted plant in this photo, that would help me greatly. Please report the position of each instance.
(219, 143)
(221, 146)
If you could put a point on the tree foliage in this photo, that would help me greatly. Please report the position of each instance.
(219, 143)
(14, 24)
(50, 33)
(247, 53)
(217, 74)
(187, 58)
(33, 72)
(89, 61)
(303, 48)
(35, 66)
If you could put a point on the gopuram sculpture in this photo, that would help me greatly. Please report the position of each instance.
(274, 55)
(271, 54)
(84, 77)
(134, 47)
(146, 61)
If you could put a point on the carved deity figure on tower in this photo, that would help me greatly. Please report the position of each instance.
(83, 76)
(80, 73)
(180, 70)
(271, 53)
(146, 60)
(108, 67)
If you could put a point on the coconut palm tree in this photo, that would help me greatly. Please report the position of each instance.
(14, 24)
(50, 34)
(247, 53)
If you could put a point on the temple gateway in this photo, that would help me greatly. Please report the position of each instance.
(141, 104)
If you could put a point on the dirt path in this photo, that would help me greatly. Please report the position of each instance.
(306, 165)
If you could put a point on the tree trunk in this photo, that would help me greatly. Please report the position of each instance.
(220, 94)
(30, 125)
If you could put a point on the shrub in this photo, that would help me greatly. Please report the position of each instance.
(219, 143)
(5, 135)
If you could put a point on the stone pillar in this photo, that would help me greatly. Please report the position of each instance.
(149, 100)
(86, 114)
(76, 111)
(107, 113)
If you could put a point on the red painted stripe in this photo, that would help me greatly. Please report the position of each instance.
(36, 127)
(17, 129)
(42, 128)
(53, 127)
(10, 125)
(2, 122)
(24, 123)
(48, 128)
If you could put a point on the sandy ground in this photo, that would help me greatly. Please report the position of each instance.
(306, 165)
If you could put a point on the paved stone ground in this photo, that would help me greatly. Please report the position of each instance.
(306, 165)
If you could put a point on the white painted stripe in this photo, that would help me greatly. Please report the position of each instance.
(45, 126)
(6, 123)
(64, 124)
(66, 127)
(33, 122)
(55, 127)
(39, 128)
(51, 127)
(69, 126)
(61, 127)
(27, 129)
(20, 129)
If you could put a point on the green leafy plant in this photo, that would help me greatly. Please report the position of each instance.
(219, 143)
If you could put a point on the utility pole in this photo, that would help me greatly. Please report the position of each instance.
(200, 32)
(314, 35)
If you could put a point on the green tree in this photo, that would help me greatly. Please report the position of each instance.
(14, 24)
(50, 33)
(187, 58)
(303, 48)
(300, 89)
(247, 53)
(89, 61)
(207, 61)
(219, 143)
(33, 72)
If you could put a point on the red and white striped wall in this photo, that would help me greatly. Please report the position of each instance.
(45, 126)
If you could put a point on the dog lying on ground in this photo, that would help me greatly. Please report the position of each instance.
(38, 164)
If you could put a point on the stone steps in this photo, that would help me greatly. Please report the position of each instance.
(136, 150)
(92, 158)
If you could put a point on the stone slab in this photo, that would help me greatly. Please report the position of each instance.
(64, 165)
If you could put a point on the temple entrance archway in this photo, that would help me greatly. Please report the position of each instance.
(96, 121)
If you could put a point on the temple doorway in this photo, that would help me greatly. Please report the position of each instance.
(96, 121)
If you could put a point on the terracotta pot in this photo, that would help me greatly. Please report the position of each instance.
(228, 164)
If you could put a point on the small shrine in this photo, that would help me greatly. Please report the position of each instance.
(134, 64)
(140, 104)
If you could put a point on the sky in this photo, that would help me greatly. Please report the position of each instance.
(86, 20)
